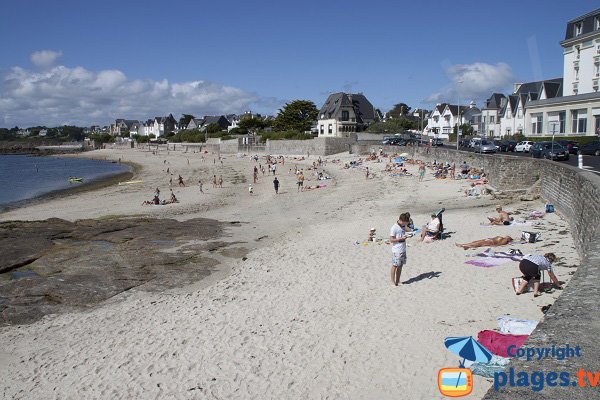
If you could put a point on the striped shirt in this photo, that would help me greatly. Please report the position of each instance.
(541, 261)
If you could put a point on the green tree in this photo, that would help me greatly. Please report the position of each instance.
(399, 110)
(251, 124)
(297, 116)
(213, 128)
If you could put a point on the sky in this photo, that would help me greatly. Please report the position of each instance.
(88, 62)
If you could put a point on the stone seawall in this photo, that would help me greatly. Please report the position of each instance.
(575, 316)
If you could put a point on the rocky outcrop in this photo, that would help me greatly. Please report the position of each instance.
(55, 265)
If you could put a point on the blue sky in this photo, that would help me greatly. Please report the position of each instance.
(88, 62)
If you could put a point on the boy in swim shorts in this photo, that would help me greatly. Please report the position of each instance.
(398, 240)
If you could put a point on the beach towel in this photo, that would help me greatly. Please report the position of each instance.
(496, 364)
(514, 254)
(498, 343)
(516, 326)
(488, 262)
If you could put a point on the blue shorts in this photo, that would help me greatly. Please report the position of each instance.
(398, 259)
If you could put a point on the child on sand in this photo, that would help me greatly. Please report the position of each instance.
(398, 240)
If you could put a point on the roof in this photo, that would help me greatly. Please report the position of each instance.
(496, 101)
(363, 108)
(588, 24)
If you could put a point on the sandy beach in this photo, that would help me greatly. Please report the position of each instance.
(308, 313)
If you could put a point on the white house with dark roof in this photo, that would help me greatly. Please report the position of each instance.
(564, 106)
(343, 114)
(444, 118)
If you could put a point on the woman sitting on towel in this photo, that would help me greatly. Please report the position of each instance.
(489, 242)
(531, 266)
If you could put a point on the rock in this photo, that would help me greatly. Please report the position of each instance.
(55, 265)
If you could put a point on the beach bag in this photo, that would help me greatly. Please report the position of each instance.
(515, 326)
(516, 283)
(549, 208)
(531, 237)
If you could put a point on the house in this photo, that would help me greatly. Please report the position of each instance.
(490, 115)
(569, 105)
(195, 123)
(219, 120)
(345, 113)
(122, 126)
(43, 132)
(445, 117)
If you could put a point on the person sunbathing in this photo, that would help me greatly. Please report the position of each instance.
(489, 242)
(503, 217)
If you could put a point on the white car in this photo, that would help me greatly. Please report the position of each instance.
(523, 146)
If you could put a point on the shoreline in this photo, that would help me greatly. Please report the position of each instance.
(308, 272)
(94, 184)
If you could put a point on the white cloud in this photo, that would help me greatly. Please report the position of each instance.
(45, 58)
(475, 81)
(59, 94)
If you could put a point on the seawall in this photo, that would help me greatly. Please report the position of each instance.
(575, 316)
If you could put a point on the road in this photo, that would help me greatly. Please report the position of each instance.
(590, 163)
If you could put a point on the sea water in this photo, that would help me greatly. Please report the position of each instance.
(24, 177)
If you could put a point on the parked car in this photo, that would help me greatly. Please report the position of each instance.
(510, 145)
(394, 141)
(484, 146)
(474, 142)
(523, 146)
(549, 150)
(437, 142)
(571, 145)
(464, 143)
(592, 148)
(501, 146)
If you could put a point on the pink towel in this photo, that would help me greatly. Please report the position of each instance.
(498, 343)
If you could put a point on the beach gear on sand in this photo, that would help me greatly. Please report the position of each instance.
(496, 364)
(531, 237)
(467, 348)
(487, 262)
(516, 326)
(498, 343)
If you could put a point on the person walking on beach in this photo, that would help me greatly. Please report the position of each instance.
(276, 185)
(200, 185)
(421, 172)
(181, 181)
(398, 241)
(214, 181)
(300, 182)
(531, 266)
(367, 173)
(221, 181)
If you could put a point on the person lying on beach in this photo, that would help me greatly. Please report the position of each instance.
(503, 217)
(531, 266)
(489, 242)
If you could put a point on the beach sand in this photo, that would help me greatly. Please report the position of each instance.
(310, 313)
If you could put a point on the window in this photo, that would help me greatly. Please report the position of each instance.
(519, 113)
(597, 23)
(597, 124)
(576, 74)
(537, 122)
(579, 121)
(330, 129)
(484, 117)
(322, 129)
(508, 131)
(577, 28)
(562, 117)
(345, 115)
(492, 119)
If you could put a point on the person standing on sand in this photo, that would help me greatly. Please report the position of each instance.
(276, 185)
(181, 181)
(221, 181)
(398, 240)
(421, 172)
(250, 189)
(301, 182)
(214, 181)
(367, 173)
(200, 185)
